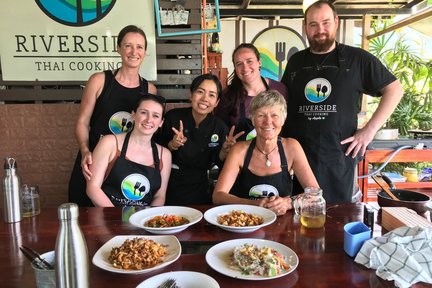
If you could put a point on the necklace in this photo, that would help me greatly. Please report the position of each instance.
(320, 65)
(267, 162)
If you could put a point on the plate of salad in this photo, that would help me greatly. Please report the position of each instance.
(165, 219)
(252, 259)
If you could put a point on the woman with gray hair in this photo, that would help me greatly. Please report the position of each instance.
(256, 172)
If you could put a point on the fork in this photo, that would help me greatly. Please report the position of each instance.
(170, 283)
(280, 56)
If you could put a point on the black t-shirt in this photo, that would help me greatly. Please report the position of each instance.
(190, 163)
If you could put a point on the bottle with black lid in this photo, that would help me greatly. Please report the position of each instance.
(71, 255)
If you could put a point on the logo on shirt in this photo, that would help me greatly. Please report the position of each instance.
(263, 190)
(69, 13)
(251, 135)
(317, 90)
(120, 122)
(214, 141)
(135, 186)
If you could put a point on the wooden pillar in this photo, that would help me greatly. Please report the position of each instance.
(366, 23)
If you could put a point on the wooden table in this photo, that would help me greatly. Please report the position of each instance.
(322, 260)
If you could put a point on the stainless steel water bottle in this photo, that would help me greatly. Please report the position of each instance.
(12, 205)
(71, 256)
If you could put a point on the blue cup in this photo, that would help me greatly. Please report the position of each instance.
(355, 234)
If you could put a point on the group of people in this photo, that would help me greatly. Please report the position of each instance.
(271, 139)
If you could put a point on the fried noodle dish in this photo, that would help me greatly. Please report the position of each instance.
(166, 220)
(238, 218)
(252, 260)
(137, 254)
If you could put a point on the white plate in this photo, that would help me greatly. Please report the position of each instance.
(184, 279)
(212, 214)
(100, 258)
(139, 218)
(218, 257)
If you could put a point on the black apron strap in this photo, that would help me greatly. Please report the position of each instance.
(125, 145)
(155, 155)
(341, 57)
(249, 153)
(284, 164)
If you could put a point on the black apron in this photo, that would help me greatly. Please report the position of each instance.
(130, 183)
(322, 118)
(251, 186)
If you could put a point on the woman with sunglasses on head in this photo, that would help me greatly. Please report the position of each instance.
(246, 83)
(106, 103)
(197, 140)
(130, 169)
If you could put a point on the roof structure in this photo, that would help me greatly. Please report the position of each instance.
(294, 8)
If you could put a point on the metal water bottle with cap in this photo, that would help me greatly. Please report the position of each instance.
(12, 205)
(71, 256)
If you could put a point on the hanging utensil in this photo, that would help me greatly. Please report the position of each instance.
(383, 185)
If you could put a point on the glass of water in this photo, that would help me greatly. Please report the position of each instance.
(30, 200)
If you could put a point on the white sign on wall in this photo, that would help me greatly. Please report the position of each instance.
(65, 40)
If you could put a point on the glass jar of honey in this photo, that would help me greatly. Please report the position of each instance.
(411, 174)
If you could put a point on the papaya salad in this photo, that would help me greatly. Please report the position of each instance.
(258, 261)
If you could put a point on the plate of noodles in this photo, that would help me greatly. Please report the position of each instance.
(165, 219)
(137, 254)
(240, 218)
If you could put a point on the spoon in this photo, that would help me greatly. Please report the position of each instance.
(383, 186)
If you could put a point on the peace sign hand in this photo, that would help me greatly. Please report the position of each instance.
(179, 139)
(231, 139)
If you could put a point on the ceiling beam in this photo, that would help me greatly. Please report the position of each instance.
(299, 12)
(423, 14)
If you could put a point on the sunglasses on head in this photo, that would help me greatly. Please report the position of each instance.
(161, 100)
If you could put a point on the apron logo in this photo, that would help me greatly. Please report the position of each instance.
(251, 135)
(263, 190)
(135, 187)
(214, 138)
(317, 90)
(120, 122)
(69, 13)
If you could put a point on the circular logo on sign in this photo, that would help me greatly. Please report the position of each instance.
(76, 12)
(317, 90)
(135, 186)
(120, 122)
(276, 45)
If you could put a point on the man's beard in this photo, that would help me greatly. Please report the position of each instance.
(321, 45)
